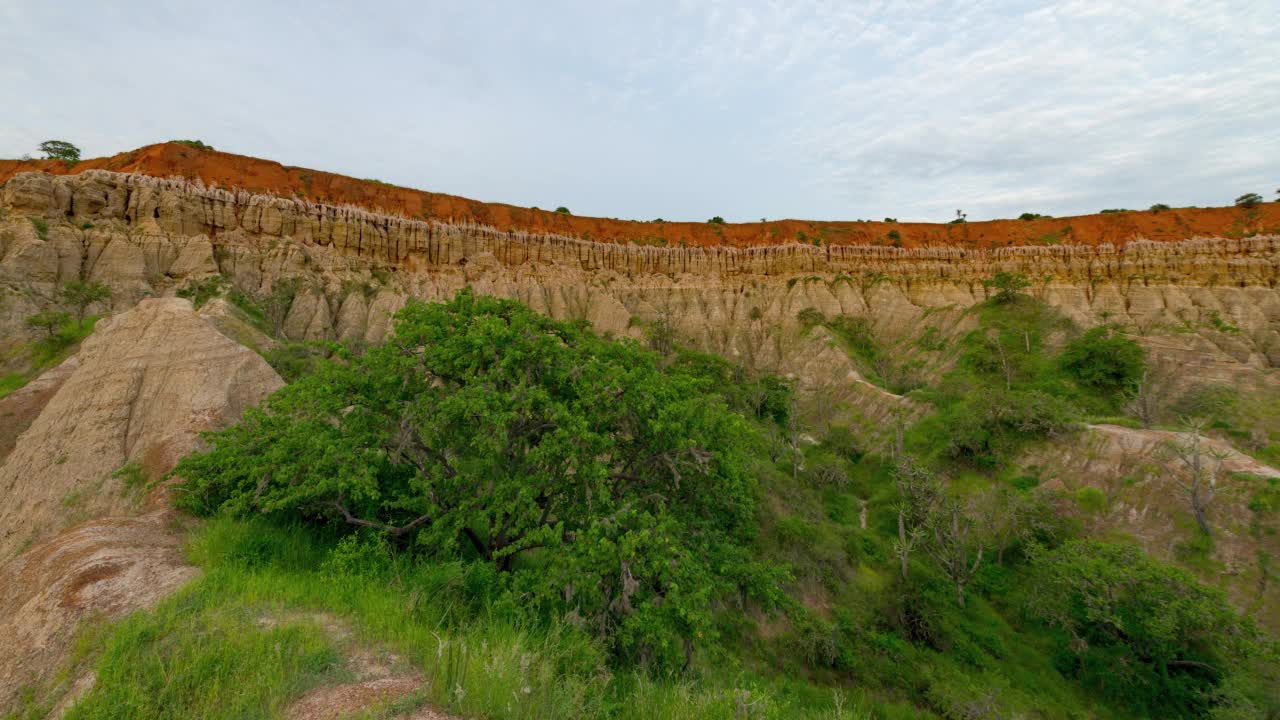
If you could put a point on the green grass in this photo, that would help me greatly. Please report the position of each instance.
(206, 652)
(48, 352)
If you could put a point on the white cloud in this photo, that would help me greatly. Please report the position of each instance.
(810, 108)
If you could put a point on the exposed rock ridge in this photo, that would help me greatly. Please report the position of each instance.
(182, 208)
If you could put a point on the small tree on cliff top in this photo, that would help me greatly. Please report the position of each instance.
(60, 150)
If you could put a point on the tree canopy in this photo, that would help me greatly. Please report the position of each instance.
(1140, 631)
(60, 150)
(598, 485)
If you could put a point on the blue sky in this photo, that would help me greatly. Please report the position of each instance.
(682, 110)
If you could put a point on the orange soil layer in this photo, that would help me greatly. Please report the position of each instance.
(264, 176)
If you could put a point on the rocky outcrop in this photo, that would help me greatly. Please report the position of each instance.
(148, 381)
(135, 397)
(325, 272)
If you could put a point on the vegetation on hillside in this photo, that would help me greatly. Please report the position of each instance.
(553, 524)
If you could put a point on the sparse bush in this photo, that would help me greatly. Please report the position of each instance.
(60, 150)
(1033, 216)
(195, 144)
(1108, 211)
(49, 321)
(41, 227)
(896, 237)
(81, 295)
(202, 291)
(810, 317)
(1007, 285)
(960, 218)
(1159, 207)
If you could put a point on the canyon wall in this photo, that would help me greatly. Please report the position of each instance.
(1207, 307)
(333, 272)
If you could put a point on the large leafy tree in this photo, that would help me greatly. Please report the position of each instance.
(602, 487)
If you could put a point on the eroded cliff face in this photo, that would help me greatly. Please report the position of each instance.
(340, 272)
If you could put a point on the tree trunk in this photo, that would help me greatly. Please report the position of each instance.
(1201, 519)
(902, 542)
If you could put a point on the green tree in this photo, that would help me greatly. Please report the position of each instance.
(81, 295)
(60, 150)
(1106, 361)
(49, 321)
(1144, 634)
(592, 481)
(1249, 200)
(1007, 285)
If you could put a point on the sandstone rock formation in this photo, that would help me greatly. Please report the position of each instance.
(323, 272)
(148, 381)
(136, 396)
(339, 272)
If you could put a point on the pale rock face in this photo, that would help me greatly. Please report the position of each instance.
(1207, 304)
(148, 381)
(139, 391)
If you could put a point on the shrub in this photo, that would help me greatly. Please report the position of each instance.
(41, 227)
(1158, 207)
(60, 150)
(990, 424)
(1091, 499)
(1007, 285)
(196, 144)
(563, 210)
(809, 317)
(1114, 210)
(1105, 361)
(717, 220)
(1249, 200)
(1146, 635)
(1033, 216)
(200, 292)
(49, 321)
(596, 484)
(81, 295)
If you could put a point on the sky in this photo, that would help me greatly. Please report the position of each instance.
(683, 110)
